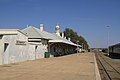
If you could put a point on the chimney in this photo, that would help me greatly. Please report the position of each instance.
(68, 39)
(41, 27)
(27, 25)
(62, 35)
(65, 37)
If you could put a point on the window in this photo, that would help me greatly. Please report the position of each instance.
(5, 46)
(1, 36)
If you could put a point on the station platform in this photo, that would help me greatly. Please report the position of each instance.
(80, 66)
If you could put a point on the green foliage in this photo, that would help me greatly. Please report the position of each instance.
(69, 33)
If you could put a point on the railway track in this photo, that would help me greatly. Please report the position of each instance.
(108, 71)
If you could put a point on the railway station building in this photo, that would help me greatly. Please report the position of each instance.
(32, 43)
(45, 41)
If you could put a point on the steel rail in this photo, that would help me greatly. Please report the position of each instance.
(110, 65)
(103, 67)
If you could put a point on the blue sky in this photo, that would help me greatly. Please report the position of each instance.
(88, 18)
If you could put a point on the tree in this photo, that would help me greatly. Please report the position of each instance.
(75, 38)
(83, 42)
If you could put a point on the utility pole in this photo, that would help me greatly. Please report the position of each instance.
(108, 34)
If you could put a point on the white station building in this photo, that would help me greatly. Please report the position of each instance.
(31, 43)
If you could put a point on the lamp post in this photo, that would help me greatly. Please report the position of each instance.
(108, 34)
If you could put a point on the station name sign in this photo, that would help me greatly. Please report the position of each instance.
(20, 42)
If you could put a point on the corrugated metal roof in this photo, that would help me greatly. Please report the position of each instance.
(33, 32)
(44, 34)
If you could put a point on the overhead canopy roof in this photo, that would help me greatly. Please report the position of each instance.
(62, 41)
(59, 39)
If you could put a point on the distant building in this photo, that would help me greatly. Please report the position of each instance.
(114, 50)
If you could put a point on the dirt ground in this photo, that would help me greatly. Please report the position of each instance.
(70, 67)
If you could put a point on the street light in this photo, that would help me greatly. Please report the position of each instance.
(108, 38)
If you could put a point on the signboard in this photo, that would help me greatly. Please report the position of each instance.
(20, 42)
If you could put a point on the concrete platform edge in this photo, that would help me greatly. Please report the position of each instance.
(97, 73)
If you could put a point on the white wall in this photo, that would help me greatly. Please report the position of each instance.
(15, 52)
(39, 51)
(31, 52)
(19, 52)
